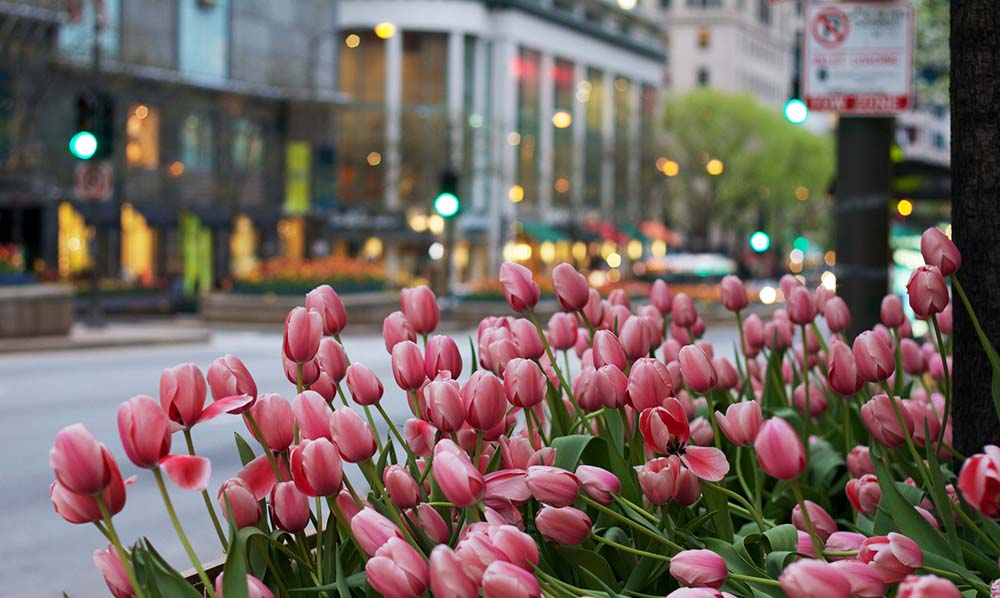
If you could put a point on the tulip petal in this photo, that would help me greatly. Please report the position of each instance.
(190, 472)
(708, 463)
(224, 405)
(259, 475)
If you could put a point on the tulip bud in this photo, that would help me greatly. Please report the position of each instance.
(891, 311)
(327, 303)
(859, 462)
(844, 542)
(697, 370)
(979, 481)
(699, 568)
(524, 383)
(408, 365)
(255, 588)
(526, 339)
(939, 251)
(864, 493)
(894, 556)
(110, 565)
(598, 484)
(823, 523)
(395, 329)
(430, 522)
(365, 387)
(658, 479)
(289, 508)
(419, 436)
(683, 311)
(352, 435)
(373, 530)
(607, 349)
(879, 417)
(552, 485)
(661, 297)
(518, 287)
(837, 314)
(817, 400)
(562, 331)
(808, 578)
(79, 461)
(448, 579)
(461, 482)
(780, 451)
(927, 291)
(734, 294)
(565, 525)
(317, 468)
(594, 309)
(242, 507)
(874, 358)
(928, 586)
(228, 376)
(572, 289)
(944, 320)
(275, 419)
(421, 309)
(726, 375)
(504, 580)
(741, 422)
(485, 402)
(332, 359)
(182, 393)
(303, 330)
(637, 337)
(397, 569)
(144, 431)
(801, 306)
(649, 384)
(441, 354)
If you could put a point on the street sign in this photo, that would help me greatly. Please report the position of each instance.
(93, 181)
(858, 57)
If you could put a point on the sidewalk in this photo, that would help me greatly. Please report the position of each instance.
(114, 334)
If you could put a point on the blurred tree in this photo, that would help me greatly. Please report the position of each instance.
(930, 57)
(765, 161)
(975, 212)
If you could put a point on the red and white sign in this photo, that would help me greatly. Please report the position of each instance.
(93, 181)
(857, 57)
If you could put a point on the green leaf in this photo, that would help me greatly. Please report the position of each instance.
(782, 538)
(616, 429)
(244, 449)
(825, 463)
(234, 581)
(908, 520)
(158, 576)
(589, 560)
(996, 391)
(569, 449)
(472, 349)
(717, 502)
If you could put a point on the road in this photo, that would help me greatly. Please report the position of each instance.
(41, 555)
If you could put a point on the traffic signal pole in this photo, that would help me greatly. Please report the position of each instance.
(863, 189)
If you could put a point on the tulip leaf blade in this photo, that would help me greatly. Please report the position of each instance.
(156, 575)
(244, 449)
(590, 561)
(569, 449)
(616, 429)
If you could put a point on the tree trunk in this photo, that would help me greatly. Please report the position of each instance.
(975, 211)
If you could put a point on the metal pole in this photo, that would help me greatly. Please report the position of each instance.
(864, 173)
(96, 318)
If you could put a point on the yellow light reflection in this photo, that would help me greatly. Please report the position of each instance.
(385, 30)
(562, 119)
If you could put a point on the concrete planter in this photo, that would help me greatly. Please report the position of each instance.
(36, 310)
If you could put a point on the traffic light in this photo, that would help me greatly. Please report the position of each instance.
(94, 131)
(760, 241)
(447, 203)
(796, 111)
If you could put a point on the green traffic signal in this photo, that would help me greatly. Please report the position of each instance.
(446, 204)
(760, 241)
(796, 111)
(83, 145)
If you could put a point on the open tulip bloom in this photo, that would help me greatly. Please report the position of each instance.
(803, 465)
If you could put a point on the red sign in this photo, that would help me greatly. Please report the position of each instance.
(94, 181)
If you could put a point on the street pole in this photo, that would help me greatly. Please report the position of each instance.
(864, 173)
(96, 317)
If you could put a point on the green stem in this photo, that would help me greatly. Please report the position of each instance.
(368, 467)
(757, 517)
(751, 579)
(649, 516)
(817, 545)
(319, 540)
(947, 377)
(343, 398)
(267, 450)
(710, 401)
(639, 528)
(344, 526)
(980, 586)
(298, 378)
(395, 432)
(180, 532)
(555, 365)
(123, 556)
(635, 551)
(805, 383)
(994, 359)
(206, 497)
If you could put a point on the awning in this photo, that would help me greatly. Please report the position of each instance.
(608, 232)
(633, 232)
(542, 232)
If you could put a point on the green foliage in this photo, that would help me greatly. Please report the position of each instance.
(765, 158)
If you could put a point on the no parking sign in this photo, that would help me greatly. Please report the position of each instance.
(858, 57)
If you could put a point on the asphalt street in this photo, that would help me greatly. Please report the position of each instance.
(41, 555)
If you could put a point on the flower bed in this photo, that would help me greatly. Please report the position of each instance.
(804, 467)
(288, 276)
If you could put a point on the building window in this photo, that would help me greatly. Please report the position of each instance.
(143, 132)
(764, 11)
(562, 133)
(665, 4)
(591, 91)
(196, 143)
(424, 137)
(527, 72)
(704, 38)
(247, 146)
(704, 3)
(361, 123)
(703, 77)
(623, 141)
(138, 245)
(203, 37)
(939, 141)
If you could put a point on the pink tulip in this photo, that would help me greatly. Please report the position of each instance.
(524, 383)
(864, 493)
(419, 435)
(607, 349)
(310, 371)
(780, 451)
(661, 297)
(778, 335)
(894, 556)
(665, 427)
(430, 522)
(727, 376)
(698, 593)
(823, 295)
(79, 461)
(373, 530)
(421, 309)
(939, 251)
(444, 404)
(317, 468)
(395, 329)
(619, 297)
(182, 393)
(552, 485)
(228, 376)
(562, 331)
(610, 386)
(572, 289)
(928, 292)
(649, 384)
(879, 417)
(734, 294)
(658, 479)
(408, 365)
(874, 357)
(817, 400)
(332, 359)
(353, 436)
(753, 330)
(844, 542)
(598, 484)
(398, 570)
(683, 311)
(255, 588)
(110, 565)
(697, 370)
(514, 546)
(448, 580)
(810, 578)
(842, 370)
(823, 523)
(638, 337)
(506, 486)
(563, 525)
(801, 306)
(485, 401)
(699, 568)
(504, 580)
(518, 453)
(741, 422)
(945, 320)
(312, 415)
(275, 419)
(594, 309)
(859, 462)
(927, 586)
(891, 311)
(837, 314)
(144, 431)
(289, 508)
(520, 290)
(913, 358)
(402, 488)
(237, 500)
(460, 481)
(364, 385)
(526, 339)
(476, 552)
(79, 508)
(979, 481)
(303, 330)
(441, 355)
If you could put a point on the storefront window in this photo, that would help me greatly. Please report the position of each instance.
(143, 132)
(424, 137)
(591, 91)
(248, 145)
(196, 143)
(292, 237)
(243, 247)
(527, 72)
(562, 135)
(138, 246)
(361, 123)
(74, 239)
(647, 158)
(204, 39)
(623, 141)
